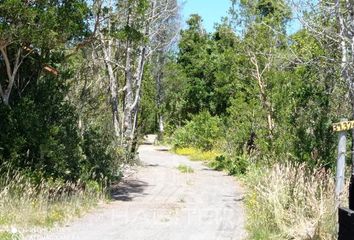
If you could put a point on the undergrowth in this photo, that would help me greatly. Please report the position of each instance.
(234, 165)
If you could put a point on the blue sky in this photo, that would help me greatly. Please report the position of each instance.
(210, 10)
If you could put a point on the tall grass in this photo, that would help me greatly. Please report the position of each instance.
(25, 205)
(290, 201)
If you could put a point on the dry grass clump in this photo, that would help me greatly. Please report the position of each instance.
(291, 201)
(25, 205)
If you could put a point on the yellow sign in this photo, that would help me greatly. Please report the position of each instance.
(343, 126)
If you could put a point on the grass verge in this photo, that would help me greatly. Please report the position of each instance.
(25, 206)
(195, 154)
(9, 236)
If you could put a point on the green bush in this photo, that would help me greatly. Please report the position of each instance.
(233, 165)
(202, 132)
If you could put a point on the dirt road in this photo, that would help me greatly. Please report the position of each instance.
(159, 202)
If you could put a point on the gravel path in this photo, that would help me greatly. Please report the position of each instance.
(159, 202)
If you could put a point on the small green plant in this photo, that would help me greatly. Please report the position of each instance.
(185, 169)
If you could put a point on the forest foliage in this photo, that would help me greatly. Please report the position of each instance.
(262, 93)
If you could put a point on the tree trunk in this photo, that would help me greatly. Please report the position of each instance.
(161, 125)
(11, 74)
(258, 74)
(128, 98)
(159, 90)
(138, 80)
(112, 87)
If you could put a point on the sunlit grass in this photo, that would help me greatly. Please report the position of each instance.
(24, 205)
(196, 154)
(9, 236)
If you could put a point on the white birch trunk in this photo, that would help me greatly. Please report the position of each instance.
(113, 90)
(138, 80)
(11, 74)
(128, 99)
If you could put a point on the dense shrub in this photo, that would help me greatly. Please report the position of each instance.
(202, 132)
(102, 157)
(39, 133)
(233, 165)
(40, 137)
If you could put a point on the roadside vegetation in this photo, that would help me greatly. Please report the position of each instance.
(25, 205)
(258, 103)
(290, 201)
(9, 236)
(285, 198)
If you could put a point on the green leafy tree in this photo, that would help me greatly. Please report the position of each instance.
(39, 127)
(193, 57)
(22, 27)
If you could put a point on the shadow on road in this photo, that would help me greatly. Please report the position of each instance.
(151, 165)
(128, 190)
(162, 149)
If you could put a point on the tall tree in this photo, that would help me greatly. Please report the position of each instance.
(194, 55)
(264, 22)
(129, 33)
